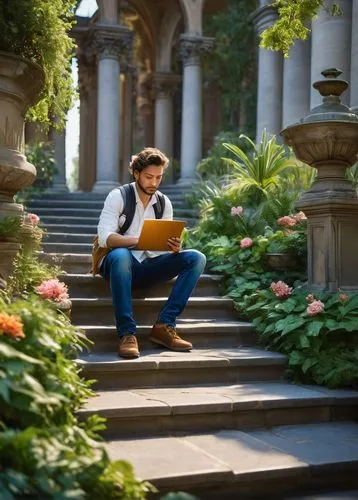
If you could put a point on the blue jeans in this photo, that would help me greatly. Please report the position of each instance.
(124, 272)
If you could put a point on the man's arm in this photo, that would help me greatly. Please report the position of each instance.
(120, 241)
(108, 227)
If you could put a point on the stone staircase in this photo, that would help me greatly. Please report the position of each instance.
(219, 422)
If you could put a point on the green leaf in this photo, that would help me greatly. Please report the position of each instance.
(314, 328)
(304, 341)
(331, 324)
(289, 324)
(308, 363)
(9, 352)
(289, 305)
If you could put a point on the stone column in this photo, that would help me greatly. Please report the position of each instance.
(296, 83)
(59, 144)
(270, 78)
(127, 124)
(110, 44)
(331, 45)
(192, 47)
(165, 85)
(354, 58)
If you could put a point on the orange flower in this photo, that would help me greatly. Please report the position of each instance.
(11, 325)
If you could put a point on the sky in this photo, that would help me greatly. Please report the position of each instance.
(86, 8)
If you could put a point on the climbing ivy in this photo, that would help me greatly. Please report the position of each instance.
(232, 64)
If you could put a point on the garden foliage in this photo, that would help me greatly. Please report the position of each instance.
(45, 450)
(241, 226)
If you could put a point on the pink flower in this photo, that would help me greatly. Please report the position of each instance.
(236, 210)
(281, 289)
(315, 307)
(53, 290)
(300, 216)
(310, 298)
(343, 297)
(35, 219)
(287, 221)
(246, 243)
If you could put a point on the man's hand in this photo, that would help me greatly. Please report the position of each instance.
(174, 244)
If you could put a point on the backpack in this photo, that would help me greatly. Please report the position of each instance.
(128, 195)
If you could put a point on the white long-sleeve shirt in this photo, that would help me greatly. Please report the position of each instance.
(110, 221)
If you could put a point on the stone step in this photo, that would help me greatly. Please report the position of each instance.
(99, 311)
(68, 238)
(81, 285)
(158, 411)
(66, 248)
(69, 262)
(202, 334)
(77, 220)
(71, 211)
(34, 204)
(262, 464)
(90, 229)
(160, 367)
(170, 191)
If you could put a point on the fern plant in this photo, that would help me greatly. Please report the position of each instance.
(257, 172)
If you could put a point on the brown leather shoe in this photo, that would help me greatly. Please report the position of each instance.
(128, 347)
(167, 336)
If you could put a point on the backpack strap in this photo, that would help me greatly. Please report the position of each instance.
(129, 206)
(159, 206)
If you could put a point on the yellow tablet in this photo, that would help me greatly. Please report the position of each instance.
(156, 232)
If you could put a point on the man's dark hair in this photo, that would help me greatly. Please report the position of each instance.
(147, 157)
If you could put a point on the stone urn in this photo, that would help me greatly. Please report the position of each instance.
(21, 82)
(327, 139)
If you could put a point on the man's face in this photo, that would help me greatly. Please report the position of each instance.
(148, 180)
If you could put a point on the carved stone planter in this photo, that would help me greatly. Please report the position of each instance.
(20, 84)
(281, 261)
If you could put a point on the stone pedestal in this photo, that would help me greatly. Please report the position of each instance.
(331, 44)
(111, 43)
(331, 205)
(191, 133)
(270, 79)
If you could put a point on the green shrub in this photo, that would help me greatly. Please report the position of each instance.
(44, 451)
(321, 347)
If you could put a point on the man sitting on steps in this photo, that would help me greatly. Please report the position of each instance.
(125, 267)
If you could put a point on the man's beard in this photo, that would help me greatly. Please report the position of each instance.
(149, 193)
